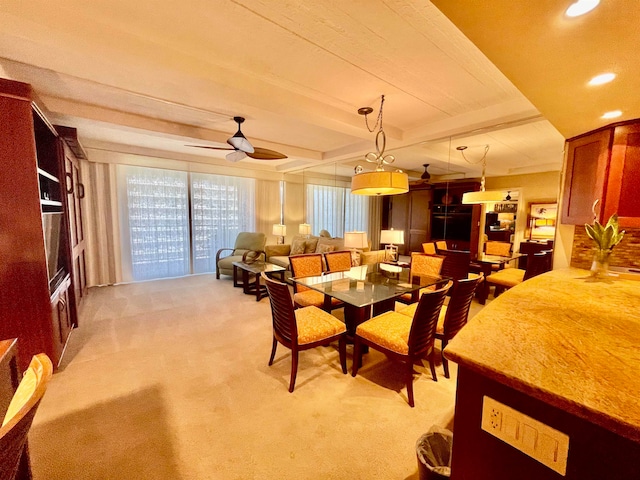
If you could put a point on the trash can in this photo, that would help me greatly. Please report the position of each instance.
(433, 450)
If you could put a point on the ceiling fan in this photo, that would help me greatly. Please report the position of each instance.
(242, 147)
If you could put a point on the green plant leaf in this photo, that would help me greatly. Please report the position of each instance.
(593, 235)
(607, 238)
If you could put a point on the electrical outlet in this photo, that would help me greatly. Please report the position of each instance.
(533, 438)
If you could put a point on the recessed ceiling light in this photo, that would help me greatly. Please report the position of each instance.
(612, 114)
(602, 79)
(581, 7)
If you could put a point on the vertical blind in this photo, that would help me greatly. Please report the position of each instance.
(158, 228)
(335, 209)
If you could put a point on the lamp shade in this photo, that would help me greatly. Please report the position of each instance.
(392, 236)
(380, 183)
(279, 230)
(489, 196)
(304, 229)
(355, 240)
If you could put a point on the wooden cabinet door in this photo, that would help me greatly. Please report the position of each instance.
(75, 196)
(399, 216)
(624, 177)
(585, 177)
(419, 220)
(61, 319)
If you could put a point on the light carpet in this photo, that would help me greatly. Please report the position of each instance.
(169, 380)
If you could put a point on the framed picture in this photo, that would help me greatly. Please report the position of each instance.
(542, 220)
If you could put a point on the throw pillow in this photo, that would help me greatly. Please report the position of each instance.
(297, 246)
(310, 245)
(324, 248)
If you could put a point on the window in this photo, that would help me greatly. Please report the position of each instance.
(158, 222)
(156, 231)
(222, 207)
(335, 209)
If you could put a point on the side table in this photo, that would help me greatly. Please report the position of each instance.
(251, 277)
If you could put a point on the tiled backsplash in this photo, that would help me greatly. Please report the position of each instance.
(625, 254)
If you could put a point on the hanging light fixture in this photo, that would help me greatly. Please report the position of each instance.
(482, 196)
(380, 181)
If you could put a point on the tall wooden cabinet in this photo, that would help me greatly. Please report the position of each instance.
(430, 212)
(37, 303)
(603, 165)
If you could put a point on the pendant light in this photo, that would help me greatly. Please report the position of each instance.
(482, 196)
(380, 181)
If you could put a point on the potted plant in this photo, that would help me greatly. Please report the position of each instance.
(605, 238)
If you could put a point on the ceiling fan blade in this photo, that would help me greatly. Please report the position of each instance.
(266, 154)
(210, 148)
(236, 156)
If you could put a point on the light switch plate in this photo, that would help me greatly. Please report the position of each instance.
(533, 438)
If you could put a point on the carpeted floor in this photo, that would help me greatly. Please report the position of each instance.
(169, 380)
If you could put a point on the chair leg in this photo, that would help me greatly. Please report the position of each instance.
(217, 274)
(445, 362)
(357, 356)
(432, 364)
(410, 383)
(294, 369)
(342, 348)
(273, 351)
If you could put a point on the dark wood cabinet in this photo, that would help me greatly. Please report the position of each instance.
(410, 212)
(34, 243)
(430, 212)
(624, 176)
(603, 165)
(451, 220)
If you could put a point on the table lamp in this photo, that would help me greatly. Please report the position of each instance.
(355, 240)
(304, 229)
(391, 237)
(279, 231)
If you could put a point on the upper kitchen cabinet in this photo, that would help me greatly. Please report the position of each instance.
(624, 177)
(603, 165)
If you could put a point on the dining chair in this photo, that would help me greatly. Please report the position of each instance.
(19, 417)
(403, 338)
(502, 249)
(338, 261)
(441, 245)
(310, 265)
(301, 329)
(456, 264)
(429, 248)
(537, 263)
(454, 315)
(421, 264)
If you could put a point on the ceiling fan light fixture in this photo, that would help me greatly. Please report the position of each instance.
(236, 156)
(239, 142)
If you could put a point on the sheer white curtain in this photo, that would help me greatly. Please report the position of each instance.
(155, 222)
(222, 207)
(268, 208)
(335, 209)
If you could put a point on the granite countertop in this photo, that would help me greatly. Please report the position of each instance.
(568, 342)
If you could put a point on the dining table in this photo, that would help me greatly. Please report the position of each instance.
(367, 290)
(485, 263)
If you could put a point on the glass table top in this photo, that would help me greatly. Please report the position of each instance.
(258, 267)
(497, 259)
(367, 284)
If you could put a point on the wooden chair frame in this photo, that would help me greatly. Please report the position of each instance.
(421, 338)
(285, 328)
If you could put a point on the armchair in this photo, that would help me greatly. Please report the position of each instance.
(249, 246)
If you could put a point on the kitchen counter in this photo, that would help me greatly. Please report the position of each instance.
(563, 340)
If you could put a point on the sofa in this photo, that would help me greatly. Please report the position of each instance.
(279, 254)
